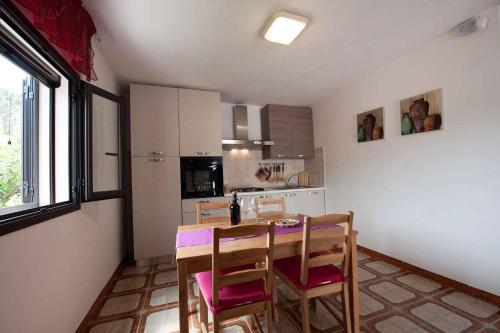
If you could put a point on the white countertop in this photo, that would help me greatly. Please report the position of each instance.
(270, 191)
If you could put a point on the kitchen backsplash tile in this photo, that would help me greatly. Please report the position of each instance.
(316, 168)
(240, 166)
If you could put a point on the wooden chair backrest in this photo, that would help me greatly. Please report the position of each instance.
(204, 214)
(245, 256)
(334, 250)
(276, 214)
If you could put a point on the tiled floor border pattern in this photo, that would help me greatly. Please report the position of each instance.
(489, 297)
(144, 300)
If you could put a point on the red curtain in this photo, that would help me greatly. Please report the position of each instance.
(67, 26)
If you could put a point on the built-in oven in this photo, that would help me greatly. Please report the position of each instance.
(201, 177)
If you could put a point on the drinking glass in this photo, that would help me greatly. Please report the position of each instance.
(244, 206)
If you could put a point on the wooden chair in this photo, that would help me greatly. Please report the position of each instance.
(315, 272)
(275, 214)
(205, 211)
(236, 286)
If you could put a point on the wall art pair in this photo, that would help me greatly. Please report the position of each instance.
(420, 113)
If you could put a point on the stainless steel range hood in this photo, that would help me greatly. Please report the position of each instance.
(240, 130)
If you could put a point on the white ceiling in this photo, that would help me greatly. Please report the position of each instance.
(216, 44)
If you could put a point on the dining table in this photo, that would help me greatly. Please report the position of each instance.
(194, 254)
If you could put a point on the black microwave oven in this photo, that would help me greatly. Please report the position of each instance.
(201, 177)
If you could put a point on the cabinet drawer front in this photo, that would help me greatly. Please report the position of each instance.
(154, 120)
(189, 205)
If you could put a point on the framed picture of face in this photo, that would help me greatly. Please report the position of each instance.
(422, 113)
(370, 125)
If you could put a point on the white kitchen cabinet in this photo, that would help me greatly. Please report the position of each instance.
(189, 205)
(188, 218)
(293, 202)
(156, 205)
(245, 201)
(309, 202)
(314, 202)
(154, 120)
(189, 208)
(200, 123)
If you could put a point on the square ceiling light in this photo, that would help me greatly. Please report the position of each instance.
(284, 27)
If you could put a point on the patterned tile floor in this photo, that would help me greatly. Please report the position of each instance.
(145, 300)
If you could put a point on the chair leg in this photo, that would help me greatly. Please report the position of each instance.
(304, 302)
(203, 312)
(345, 305)
(314, 304)
(275, 300)
(269, 316)
(216, 324)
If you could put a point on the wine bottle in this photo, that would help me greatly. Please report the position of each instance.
(235, 211)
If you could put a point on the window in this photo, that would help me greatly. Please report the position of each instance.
(104, 145)
(38, 130)
(18, 138)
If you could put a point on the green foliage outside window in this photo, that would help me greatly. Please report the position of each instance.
(10, 154)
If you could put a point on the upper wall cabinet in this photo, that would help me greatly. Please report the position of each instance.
(291, 129)
(200, 123)
(154, 120)
(302, 133)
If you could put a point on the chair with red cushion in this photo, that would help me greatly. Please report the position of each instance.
(322, 272)
(236, 286)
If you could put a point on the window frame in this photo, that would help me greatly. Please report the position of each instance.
(88, 193)
(21, 219)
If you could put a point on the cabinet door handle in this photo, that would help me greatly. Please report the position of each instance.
(203, 201)
(280, 155)
(290, 194)
(200, 153)
(313, 192)
(206, 214)
(301, 155)
(156, 159)
(159, 153)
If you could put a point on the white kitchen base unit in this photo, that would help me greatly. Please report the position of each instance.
(157, 205)
(189, 208)
(310, 202)
(307, 201)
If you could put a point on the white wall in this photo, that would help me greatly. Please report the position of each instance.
(430, 199)
(51, 273)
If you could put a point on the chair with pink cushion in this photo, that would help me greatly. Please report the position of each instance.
(322, 267)
(236, 286)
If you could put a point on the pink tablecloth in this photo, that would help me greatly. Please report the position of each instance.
(204, 236)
